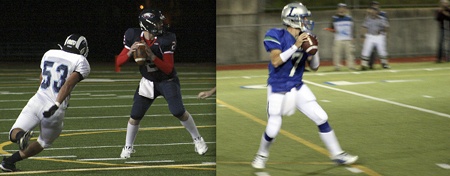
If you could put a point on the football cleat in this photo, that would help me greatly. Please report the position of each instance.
(7, 166)
(127, 151)
(23, 141)
(385, 66)
(259, 162)
(200, 146)
(344, 158)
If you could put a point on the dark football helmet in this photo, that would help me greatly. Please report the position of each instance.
(76, 44)
(151, 20)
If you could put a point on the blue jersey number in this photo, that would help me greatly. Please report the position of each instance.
(47, 76)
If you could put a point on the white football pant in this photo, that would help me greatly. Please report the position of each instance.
(31, 116)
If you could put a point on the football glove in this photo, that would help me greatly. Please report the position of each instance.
(50, 111)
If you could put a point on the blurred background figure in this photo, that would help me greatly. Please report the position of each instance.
(343, 28)
(373, 56)
(374, 32)
(206, 94)
(443, 17)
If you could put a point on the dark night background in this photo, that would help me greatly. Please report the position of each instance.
(30, 27)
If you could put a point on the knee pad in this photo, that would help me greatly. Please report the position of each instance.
(273, 126)
(320, 116)
(178, 113)
(43, 143)
(314, 112)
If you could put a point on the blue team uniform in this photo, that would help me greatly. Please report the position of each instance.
(166, 85)
(281, 79)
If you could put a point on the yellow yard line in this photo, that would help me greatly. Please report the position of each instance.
(293, 137)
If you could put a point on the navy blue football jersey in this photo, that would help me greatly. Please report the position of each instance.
(165, 43)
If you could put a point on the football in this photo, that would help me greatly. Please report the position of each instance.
(311, 45)
(140, 54)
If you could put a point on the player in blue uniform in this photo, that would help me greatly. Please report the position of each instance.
(159, 77)
(286, 91)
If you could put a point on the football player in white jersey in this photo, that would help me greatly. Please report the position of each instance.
(61, 69)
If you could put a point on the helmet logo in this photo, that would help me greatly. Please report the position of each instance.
(71, 42)
(290, 13)
(148, 15)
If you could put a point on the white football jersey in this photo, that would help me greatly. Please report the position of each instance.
(56, 66)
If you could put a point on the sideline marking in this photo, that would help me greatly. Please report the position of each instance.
(294, 137)
(354, 170)
(380, 99)
(443, 165)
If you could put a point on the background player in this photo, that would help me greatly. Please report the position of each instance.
(342, 26)
(285, 75)
(159, 77)
(374, 30)
(61, 71)
(373, 55)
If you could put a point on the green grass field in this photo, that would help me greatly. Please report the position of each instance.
(397, 121)
(95, 124)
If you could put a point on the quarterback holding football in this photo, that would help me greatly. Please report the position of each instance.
(289, 50)
(159, 77)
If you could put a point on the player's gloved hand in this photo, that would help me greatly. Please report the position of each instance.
(51, 111)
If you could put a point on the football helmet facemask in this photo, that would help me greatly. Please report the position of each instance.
(295, 15)
(76, 44)
(152, 21)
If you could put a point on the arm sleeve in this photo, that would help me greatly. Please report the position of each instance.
(167, 62)
(122, 58)
(128, 41)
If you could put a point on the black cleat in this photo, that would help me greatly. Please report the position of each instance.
(23, 141)
(7, 166)
(385, 66)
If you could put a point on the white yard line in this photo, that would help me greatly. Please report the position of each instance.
(341, 73)
(380, 99)
(105, 169)
(120, 116)
(159, 161)
(115, 146)
(111, 106)
(124, 129)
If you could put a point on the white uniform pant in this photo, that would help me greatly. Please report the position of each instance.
(31, 116)
(372, 41)
(348, 48)
(302, 99)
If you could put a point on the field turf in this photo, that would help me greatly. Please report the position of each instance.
(396, 120)
(95, 124)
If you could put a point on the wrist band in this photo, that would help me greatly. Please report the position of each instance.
(288, 53)
(57, 104)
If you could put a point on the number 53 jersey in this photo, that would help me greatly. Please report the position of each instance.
(56, 66)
